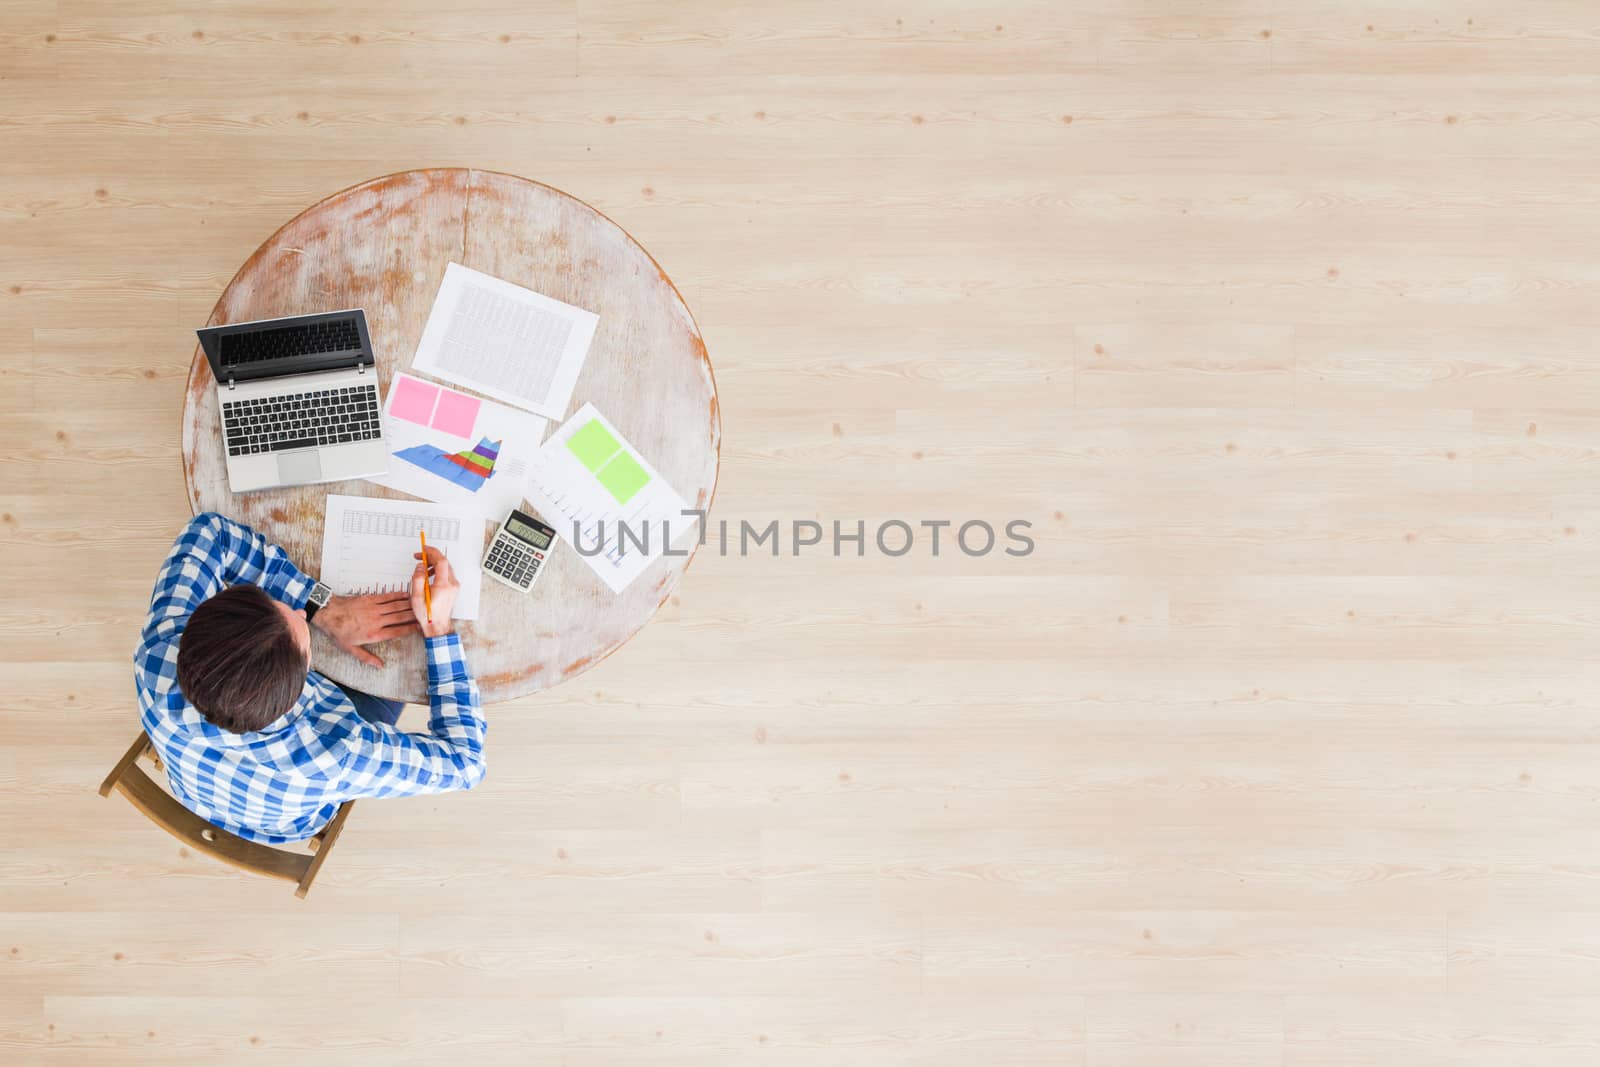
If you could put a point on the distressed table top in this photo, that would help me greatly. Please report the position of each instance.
(383, 246)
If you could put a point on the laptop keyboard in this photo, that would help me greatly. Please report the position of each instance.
(301, 420)
(278, 342)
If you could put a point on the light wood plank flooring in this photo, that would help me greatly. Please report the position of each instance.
(1278, 321)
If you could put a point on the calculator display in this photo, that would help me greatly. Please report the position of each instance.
(537, 538)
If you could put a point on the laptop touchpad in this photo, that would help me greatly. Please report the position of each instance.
(299, 467)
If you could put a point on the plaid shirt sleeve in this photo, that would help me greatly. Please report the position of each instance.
(211, 554)
(381, 761)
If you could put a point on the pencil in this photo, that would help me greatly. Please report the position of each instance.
(427, 582)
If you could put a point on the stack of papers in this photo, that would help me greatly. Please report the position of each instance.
(477, 459)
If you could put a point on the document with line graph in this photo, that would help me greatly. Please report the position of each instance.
(590, 483)
(368, 544)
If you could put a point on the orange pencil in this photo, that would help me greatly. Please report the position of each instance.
(427, 582)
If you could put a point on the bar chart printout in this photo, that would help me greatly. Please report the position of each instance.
(587, 481)
(467, 469)
(431, 430)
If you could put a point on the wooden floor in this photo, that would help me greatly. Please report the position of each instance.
(1277, 320)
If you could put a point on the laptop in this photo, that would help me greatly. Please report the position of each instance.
(299, 399)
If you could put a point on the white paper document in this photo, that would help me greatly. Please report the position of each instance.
(452, 447)
(505, 341)
(368, 543)
(587, 476)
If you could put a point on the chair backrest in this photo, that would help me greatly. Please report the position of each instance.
(165, 810)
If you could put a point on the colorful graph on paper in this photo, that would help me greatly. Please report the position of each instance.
(431, 430)
(468, 469)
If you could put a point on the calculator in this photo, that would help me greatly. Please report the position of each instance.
(516, 556)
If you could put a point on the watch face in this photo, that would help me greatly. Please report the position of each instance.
(320, 594)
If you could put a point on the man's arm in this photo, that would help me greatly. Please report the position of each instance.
(381, 761)
(211, 554)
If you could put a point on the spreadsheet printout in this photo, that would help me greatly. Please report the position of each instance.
(505, 341)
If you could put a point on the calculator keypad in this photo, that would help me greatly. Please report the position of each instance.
(514, 561)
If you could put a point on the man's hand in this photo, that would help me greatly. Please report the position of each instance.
(445, 588)
(354, 621)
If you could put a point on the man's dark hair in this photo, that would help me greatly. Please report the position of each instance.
(238, 662)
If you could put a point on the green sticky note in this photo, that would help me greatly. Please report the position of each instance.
(623, 477)
(593, 444)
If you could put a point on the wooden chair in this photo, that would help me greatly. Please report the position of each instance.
(167, 812)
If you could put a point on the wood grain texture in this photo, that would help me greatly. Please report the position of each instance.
(1277, 321)
(384, 245)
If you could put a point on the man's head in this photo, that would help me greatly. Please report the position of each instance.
(243, 658)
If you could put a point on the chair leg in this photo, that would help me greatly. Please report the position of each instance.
(322, 844)
(124, 763)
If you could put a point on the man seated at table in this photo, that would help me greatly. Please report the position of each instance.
(256, 742)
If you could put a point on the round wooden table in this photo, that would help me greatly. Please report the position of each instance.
(383, 246)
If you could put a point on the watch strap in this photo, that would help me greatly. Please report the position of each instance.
(317, 600)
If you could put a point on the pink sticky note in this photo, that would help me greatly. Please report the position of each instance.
(413, 400)
(457, 412)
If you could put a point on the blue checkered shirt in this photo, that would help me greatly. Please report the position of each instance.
(285, 782)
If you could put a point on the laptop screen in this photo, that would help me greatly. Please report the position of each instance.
(272, 348)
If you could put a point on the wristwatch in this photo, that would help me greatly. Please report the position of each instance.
(320, 595)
